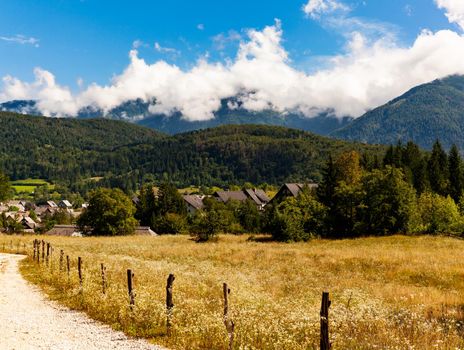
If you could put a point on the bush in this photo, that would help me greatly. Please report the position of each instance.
(437, 214)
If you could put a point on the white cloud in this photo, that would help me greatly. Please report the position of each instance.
(316, 8)
(454, 10)
(21, 39)
(163, 49)
(370, 72)
(200, 26)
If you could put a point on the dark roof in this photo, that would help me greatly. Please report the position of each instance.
(63, 230)
(144, 231)
(252, 195)
(226, 196)
(194, 200)
(263, 197)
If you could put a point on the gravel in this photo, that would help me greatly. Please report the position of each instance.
(29, 321)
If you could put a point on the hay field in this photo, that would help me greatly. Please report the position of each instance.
(394, 292)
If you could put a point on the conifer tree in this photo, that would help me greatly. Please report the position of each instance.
(437, 169)
(455, 174)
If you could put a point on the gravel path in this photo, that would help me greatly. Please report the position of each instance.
(29, 321)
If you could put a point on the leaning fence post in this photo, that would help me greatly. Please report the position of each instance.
(79, 270)
(325, 343)
(103, 275)
(130, 276)
(230, 326)
(169, 302)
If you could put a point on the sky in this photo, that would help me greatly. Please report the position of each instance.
(307, 56)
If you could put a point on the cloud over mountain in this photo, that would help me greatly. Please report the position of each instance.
(370, 71)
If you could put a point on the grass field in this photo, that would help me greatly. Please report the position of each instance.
(395, 292)
(28, 186)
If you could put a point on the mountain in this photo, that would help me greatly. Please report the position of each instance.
(72, 151)
(424, 114)
(137, 111)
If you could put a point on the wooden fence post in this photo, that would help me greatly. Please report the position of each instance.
(79, 270)
(34, 244)
(67, 266)
(103, 275)
(43, 250)
(48, 253)
(325, 342)
(130, 276)
(230, 326)
(24, 248)
(61, 259)
(169, 302)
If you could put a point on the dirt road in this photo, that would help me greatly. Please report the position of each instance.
(29, 321)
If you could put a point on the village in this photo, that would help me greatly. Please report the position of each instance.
(27, 217)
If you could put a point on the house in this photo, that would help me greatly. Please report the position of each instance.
(52, 204)
(259, 197)
(144, 231)
(64, 230)
(193, 202)
(291, 190)
(45, 210)
(28, 224)
(19, 205)
(65, 204)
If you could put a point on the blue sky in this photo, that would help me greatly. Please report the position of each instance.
(90, 39)
(72, 53)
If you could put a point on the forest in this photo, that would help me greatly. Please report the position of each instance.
(79, 155)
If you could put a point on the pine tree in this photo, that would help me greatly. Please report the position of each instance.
(455, 174)
(437, 169)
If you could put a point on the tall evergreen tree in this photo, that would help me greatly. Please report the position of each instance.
(437, 169)
(455, 174)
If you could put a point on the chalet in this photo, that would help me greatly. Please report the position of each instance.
(64, 230)
(259, 197)
(19, 205)
(193, 202)
(144, 231)
(65, 204)
(51, 204)
(291, 190)
(28, 224)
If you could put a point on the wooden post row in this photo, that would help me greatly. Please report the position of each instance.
(230, 326)
(169, 302)
(325, 304)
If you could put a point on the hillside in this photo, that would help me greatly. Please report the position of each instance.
(138, 112)
(69, 151)
(424, 114)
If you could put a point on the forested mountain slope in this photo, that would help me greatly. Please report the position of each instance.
(424, 114)
(70, 151)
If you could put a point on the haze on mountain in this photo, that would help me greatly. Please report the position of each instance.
(263, 78)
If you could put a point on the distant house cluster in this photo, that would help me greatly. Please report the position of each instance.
(257, 196)
(30, 216)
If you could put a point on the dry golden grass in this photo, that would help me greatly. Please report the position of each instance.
(387, 293)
